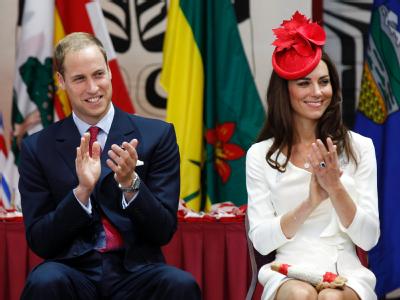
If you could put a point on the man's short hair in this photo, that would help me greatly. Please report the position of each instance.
(73, 42)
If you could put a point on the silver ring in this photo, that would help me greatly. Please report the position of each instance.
(322, 164)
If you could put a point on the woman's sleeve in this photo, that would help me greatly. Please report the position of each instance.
(364, 230)
(265, 229)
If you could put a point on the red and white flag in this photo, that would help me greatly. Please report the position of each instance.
(87, 16)
(36, 102)
(8, 175)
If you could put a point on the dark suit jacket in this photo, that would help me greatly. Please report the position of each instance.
(56, 225)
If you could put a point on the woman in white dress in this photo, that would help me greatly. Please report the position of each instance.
(312, 184)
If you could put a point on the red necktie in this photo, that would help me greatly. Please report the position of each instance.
(94, 131)
(113, 237)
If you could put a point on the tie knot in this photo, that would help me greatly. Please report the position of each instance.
(94, 130)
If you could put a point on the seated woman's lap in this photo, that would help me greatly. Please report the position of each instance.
(299, 290)
(296, 290)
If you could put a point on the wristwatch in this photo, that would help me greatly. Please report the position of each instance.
(133, 188)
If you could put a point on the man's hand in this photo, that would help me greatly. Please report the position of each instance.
(88, 168)
(122, 160)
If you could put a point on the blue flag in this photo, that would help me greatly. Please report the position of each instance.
(378, 117)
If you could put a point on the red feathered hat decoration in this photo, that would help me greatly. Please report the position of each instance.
(298, 47)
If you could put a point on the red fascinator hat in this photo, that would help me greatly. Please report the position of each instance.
(298, 47)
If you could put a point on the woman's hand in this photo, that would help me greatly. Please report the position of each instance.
(325, 165)
(326, 168)
(317, 193)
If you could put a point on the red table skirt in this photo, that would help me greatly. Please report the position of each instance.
(215, 253)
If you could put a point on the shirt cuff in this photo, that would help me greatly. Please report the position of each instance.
(88, 207)
(125, 203)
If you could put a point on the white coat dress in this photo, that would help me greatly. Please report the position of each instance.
(322, 243)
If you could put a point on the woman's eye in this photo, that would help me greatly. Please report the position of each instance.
(325, 82)
(302, 83)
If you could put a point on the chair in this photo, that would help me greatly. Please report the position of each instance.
(257, 260)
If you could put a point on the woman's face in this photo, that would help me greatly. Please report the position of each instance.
(311, 95)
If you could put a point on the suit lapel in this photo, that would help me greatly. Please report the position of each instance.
(68, 138)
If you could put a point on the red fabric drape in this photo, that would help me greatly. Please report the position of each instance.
(214, 252)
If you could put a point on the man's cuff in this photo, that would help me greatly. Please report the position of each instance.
(125, 203)
(88, 207)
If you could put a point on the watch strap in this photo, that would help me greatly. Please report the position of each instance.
(133, 188)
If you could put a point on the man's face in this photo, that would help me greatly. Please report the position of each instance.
(87, 81)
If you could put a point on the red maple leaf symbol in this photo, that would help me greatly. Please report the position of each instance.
(224, 151)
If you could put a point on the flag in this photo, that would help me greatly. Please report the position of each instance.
(87, 16)
(5, 193)
(212, 100)
(32, 105)
(8, 175)
(36, 103)
(182, 76)
(378, 117)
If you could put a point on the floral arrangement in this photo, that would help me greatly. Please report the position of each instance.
(320, 281)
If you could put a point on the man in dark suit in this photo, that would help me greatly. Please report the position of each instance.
(100, 192)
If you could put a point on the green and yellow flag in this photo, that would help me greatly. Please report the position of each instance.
(212, 100)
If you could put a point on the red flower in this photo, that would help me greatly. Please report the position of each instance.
(299, 33)
(224, 151)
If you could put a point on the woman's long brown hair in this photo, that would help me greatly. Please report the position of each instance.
(279, 122)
